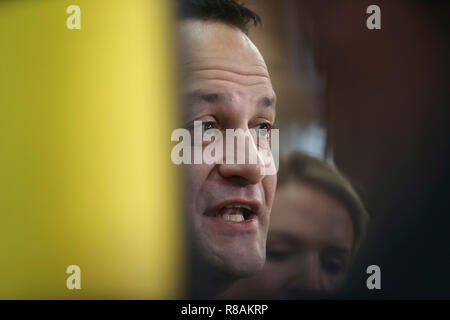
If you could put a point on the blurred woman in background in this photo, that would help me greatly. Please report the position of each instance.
(318, 223)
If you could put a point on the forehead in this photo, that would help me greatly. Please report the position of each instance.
(311, 215)
(213, 51)
(204, 42)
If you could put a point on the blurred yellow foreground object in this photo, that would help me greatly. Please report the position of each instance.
(85, 171)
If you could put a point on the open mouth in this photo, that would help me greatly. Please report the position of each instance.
(233, 213)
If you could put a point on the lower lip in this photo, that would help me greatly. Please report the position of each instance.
(250, 225)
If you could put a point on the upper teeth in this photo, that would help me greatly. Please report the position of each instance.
(234, 212)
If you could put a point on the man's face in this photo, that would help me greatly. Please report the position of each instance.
(308, 247)
(226, 85)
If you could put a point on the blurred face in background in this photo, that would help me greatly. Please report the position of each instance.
(308, 248)
(226, 85)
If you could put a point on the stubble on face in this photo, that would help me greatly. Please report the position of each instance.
(224, 80)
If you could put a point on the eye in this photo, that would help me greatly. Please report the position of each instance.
(207, 125)
(333, 267)
(203, 125)
(263, 131)
(262, 134)
(263, 128)
(277, 255)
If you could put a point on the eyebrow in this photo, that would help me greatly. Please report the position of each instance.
(338, 250)
(293, 239)
(217, 98)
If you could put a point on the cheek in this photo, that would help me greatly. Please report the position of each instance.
(332, 283)
(269, 184)
(271, 278)
(195, 177)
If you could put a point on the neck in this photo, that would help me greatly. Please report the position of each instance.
(205, 281)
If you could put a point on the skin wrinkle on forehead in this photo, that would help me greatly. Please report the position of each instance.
(220, 62)
(242, 77)
(206, 93)
(207, 87)
(249, 71)
(212, 78)
(243, 81)
(202, 96)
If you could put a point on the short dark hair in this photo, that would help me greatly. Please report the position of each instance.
(299, 167)
(229, 12)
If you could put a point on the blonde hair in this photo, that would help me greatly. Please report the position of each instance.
(302, 168)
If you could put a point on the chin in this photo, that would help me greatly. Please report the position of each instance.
(240, 264)
(245, 269)
(233, 255)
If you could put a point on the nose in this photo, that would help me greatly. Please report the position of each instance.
(306, 279)
(242, 162)
(242, 174)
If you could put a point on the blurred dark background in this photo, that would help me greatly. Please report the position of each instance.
(374, 102)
